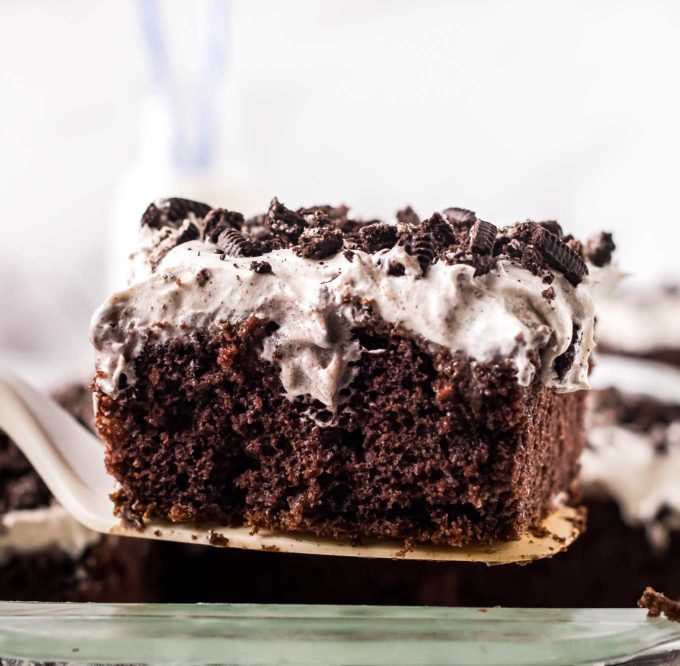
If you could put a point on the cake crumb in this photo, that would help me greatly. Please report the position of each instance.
(657, 603)
(270, 549)
(217, 539)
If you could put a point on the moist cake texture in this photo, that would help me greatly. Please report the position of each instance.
(305, 370)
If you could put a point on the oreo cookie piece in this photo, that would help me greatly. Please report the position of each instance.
(319, 243)
(459, 215)
(598, 249)
(172, 211)
(423, 249)
(283, 223)
(408, 216)
(553, 227)
(376, 237)
(261, 267)
(559, 255)
(234, 244)
(483, 237)
(219, 219)
(441, 231)
(171, 238)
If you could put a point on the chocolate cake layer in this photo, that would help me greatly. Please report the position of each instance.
(304, 370)
(427, 447)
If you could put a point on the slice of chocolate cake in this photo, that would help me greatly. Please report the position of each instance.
(307, 371)
(45, 555)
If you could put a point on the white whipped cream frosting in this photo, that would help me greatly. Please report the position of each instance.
(623, 463)
(500, 315)
(31, 530)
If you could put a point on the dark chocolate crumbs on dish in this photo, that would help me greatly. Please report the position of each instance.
(657, 603)
(261, 267)
(599, 248)
(217, 539)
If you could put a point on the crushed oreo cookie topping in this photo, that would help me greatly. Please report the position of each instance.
(483, 237)
(559, 255)
(599, 248)
(234, 244)
(261, 267)
(171, 211)
(455, 236)
(423, 249)
(218, 220)
(459, 215)
(376, 237)
(319, 243)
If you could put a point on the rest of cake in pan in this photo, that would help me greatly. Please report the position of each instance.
(306, 371)
(45, 554)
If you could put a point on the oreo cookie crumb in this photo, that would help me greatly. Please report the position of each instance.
(170, 211)
(423, 250)
(408, 216)
(559, 255)
(284, 222)
(319, 243)
(261, 267)
(549, 293)
(564, 361)
(170, 239)
(234, 244)
(219, 219)
(483, 237)
(442, 233)
(599, 248)
(203, 277)
(459, 215)
(553, 227)
(396, 270)
(376, 237)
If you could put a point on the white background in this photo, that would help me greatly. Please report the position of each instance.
(566, 110)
